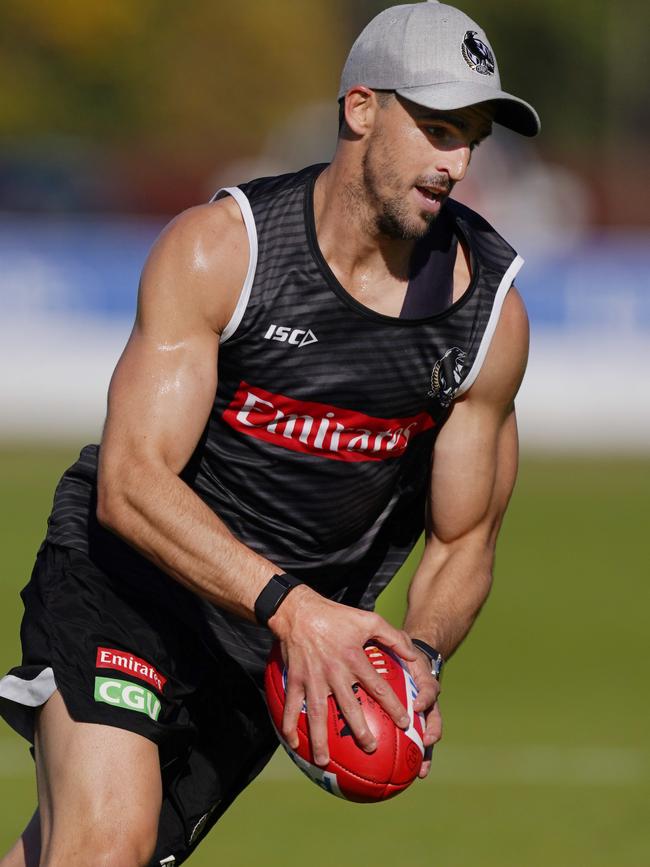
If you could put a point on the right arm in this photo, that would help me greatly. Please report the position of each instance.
(160, 399)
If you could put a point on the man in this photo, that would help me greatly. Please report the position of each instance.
(316, 357)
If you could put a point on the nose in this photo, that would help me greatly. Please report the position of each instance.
(455, 161)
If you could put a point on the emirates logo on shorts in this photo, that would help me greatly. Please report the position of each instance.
(121, 660)
(319, 428)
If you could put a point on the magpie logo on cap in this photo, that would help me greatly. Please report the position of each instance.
(477, 54)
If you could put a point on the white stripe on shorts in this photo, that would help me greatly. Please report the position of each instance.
(31, 693)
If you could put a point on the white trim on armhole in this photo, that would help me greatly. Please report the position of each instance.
(245, 294)
(491, 327)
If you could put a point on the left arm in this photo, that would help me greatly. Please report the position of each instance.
(473, 474)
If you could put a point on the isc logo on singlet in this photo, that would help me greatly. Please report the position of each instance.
(294, 336)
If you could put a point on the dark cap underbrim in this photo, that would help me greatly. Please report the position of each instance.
(510, 111)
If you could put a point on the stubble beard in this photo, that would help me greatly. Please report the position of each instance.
(390, 216)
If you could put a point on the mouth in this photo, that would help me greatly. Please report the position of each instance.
(433, 193)
(431, 198)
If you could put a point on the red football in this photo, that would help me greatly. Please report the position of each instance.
(352, 773)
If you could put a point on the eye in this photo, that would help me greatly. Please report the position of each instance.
(437, 131)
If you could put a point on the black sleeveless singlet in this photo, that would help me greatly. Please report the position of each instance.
(318, 447)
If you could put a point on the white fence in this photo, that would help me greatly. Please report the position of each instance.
(67, 296)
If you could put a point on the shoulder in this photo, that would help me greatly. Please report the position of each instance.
(201, 259)
(471, 218)
(505, 363)
(491, 246)
(278, 186)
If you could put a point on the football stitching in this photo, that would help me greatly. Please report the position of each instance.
(360, 776)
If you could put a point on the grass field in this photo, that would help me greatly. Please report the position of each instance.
(545, 761)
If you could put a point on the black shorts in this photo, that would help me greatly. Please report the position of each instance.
(124, 653)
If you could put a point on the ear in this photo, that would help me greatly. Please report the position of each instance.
(361, 109)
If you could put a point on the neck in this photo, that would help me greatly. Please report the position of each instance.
(347, 231)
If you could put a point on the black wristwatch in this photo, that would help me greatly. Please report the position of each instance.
(434, 655)
(272, 596)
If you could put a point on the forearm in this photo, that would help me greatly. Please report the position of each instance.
(153, 510)
(447, 592)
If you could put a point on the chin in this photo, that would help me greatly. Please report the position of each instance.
(400, 229)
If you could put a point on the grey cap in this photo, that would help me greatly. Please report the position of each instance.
(436, 56)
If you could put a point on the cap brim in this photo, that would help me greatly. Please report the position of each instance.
(510, 111)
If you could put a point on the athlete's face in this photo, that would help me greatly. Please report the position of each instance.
(413, 159)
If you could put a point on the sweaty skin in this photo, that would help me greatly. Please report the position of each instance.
(475, 457)
(394, 166)
(203, 256)
(382, 165)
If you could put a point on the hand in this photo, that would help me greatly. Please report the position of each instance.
(322, 644)
(427, 703)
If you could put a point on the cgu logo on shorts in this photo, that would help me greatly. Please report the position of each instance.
(320, 429)
(130, 696)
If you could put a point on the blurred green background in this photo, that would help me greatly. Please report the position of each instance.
(545, 758)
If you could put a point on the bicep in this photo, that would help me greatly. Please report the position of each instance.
(164, 384)
(473, 474)
(161, 394)
(475, 457)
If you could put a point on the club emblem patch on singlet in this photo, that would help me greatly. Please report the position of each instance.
(446, 375)
(319, 428)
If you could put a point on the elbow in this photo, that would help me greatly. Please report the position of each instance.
(487, 581)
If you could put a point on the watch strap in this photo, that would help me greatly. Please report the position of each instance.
(434, 655)
(272, 596)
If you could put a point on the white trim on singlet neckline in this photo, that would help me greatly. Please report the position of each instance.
(486, 340)
(249, 221)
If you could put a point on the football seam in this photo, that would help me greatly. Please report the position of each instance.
(398, 731)
(352, 773)
(396, 739)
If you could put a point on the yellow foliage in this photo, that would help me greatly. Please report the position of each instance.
(68, 24)
(166, 73)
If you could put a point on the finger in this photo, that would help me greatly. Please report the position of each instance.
(432, 734)
(352, 715)
(428, 686)
(293, 705)
(383, 693)
(428, 691)
(396, 639)
(426, 762)
(317, 709)
(433, 729)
